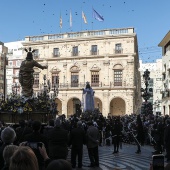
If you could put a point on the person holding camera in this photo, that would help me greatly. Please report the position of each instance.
(35, 140)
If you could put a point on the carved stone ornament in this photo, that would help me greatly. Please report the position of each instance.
(74, 69)
(64, 64)
(84, 63)
(55, 70)
(106, 62)
(95, 68)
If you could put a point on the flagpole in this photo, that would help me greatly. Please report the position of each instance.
(81, 18)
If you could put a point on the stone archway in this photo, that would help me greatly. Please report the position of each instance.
(59, 106)
(98, 104)
(117, 107)
(73, 106)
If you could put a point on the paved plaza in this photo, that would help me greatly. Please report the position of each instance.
(126, 159)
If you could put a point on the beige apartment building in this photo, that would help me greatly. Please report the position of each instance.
(165, 44)
(108, 59)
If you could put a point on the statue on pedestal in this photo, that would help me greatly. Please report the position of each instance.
(26, 71)
(88, 99)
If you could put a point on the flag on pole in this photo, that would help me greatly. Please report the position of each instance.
(84, 17)
(70, 19)
(61, 21)
(97, 16)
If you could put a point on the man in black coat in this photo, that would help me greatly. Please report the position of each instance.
(116, 134)
(33, 139)
(167, 139)
(77, 139)
(58, 141)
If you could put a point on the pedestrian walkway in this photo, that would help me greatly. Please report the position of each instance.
(126, 159)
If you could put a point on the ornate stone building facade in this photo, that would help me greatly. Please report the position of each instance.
(108, 59)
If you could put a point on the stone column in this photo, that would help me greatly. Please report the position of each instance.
(105, 103)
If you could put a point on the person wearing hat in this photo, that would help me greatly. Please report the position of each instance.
(26, 77)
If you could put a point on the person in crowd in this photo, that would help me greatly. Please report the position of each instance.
(48, 127)
(24, 159)
(34, 139)
(21, 131)
(7, 154)
(59, 164)
(8, 136)
(116, 134)
(158, 135)
(77, 139)
(140, 138)
(167, 139)
(58, 141)
(93, 138)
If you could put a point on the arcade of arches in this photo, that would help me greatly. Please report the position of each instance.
(117, 106)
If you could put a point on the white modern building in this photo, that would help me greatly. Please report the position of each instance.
(155, 82)
(15, 57)
(165, 44)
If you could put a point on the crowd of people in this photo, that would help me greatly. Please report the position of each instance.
(32, 145)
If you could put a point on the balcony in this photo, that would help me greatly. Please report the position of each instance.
(75, 53)
(94, 52)
(118, 51)
(55, 54)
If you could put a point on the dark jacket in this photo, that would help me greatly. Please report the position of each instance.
(167, 137)
(58, 143)
(1, 155)
(36, 137)
(93, 137)
(77, 138)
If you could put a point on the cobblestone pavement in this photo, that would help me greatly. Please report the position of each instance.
(126, 159)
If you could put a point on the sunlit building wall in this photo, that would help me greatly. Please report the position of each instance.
(108, 59)
(15, 57)
(165, 44)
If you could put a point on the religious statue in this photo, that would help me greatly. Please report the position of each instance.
(26, 71)
(88, 99)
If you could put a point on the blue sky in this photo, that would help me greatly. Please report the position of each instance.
(150, 18)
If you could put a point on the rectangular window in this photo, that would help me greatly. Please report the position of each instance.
(74, 79)
(94, 50)
(36, 54)
(75, 51)
(55, 52)
(118, 48)
(55, 79)
(36, 80)
(18, 63)
(95, 79)
(158, 79)
(117, 77)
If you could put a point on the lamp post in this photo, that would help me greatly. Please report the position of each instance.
(146, 93)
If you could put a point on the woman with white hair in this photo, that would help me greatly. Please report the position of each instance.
(8, 136)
